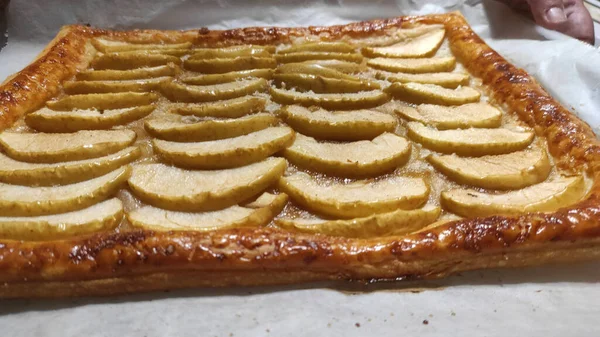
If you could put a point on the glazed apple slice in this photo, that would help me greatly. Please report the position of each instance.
(119, 100)
(391, 223)
(469, 142)
(446, 80)
(110, 46)
(226, 153)
(320, 84)
(103, 216)
(420, 46)
(126, 61)
(33, 174)
(396, 35)
(333, 125)
(501, 172)
(414, 66)
(317, 55)
(232, 108)
(341, 66)
(544, 197)
(356, 159)
(319, 46)
(59, 147)
(314, 69)
(206, 93)
(46, 120)
(209, 129)
(175, 189)
(93, 87)
(16, 200)
(228, 77)
(224, 65)
(133, 74)
(476, 115)
(255, 214)
(347, 101)
(432, 94)
(233, 51)
(178, 52)
(358, 199)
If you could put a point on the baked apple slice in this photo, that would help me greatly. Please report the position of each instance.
(103, 216)
(333, 125)
(341, 66)
(543, 197)
(126, 61)
(59, 147)
(469, 142)
(119, 100)
(34, 174)
(46, 120)
(476, 115)
(414, 66)
(500, 172)
(231, 108)
(224, 65)
(178, 131)
(133, 74)
(108, 46)
(255, 214)
(93, 87)
(16, 200)
(446, 80)
(228, 77)
(226, 153)
(347, 101)
(207, 93)
(420, 46)
(357, 199)
(432, 94)
(318, 55)
(175, 189)
(356, 159)
(319, 46)
(321, 84)
(314, 69)
(233, 51)
(390, 223)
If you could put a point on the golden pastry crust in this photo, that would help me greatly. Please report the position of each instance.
(143, 260)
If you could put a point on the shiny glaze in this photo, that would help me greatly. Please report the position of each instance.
(432, 252)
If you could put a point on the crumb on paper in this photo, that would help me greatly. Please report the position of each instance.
(425, 322)
(357, 325)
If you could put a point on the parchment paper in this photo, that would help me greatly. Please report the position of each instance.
(544, 301)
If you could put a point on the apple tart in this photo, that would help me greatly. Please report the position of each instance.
(388, 149)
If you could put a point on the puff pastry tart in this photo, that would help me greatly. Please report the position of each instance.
(402, 148)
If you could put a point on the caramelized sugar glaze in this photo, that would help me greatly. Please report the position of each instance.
(179, 61)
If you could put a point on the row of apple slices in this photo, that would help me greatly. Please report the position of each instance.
(54, 185)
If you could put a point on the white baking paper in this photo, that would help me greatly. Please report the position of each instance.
(543, 301)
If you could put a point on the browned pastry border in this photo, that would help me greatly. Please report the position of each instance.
(142, 260)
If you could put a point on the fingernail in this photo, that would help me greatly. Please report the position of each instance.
(556, 15)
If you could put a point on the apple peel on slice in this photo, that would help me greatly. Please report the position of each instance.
(255, 214)
(357, 199)
(355, 159)
(172, 188)
(500, 172)
(16, 200)
(390, 223)
(103, 216)
(226, 153)
(334, 125)
(178, 131)
(544, 197)
(469, 142)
